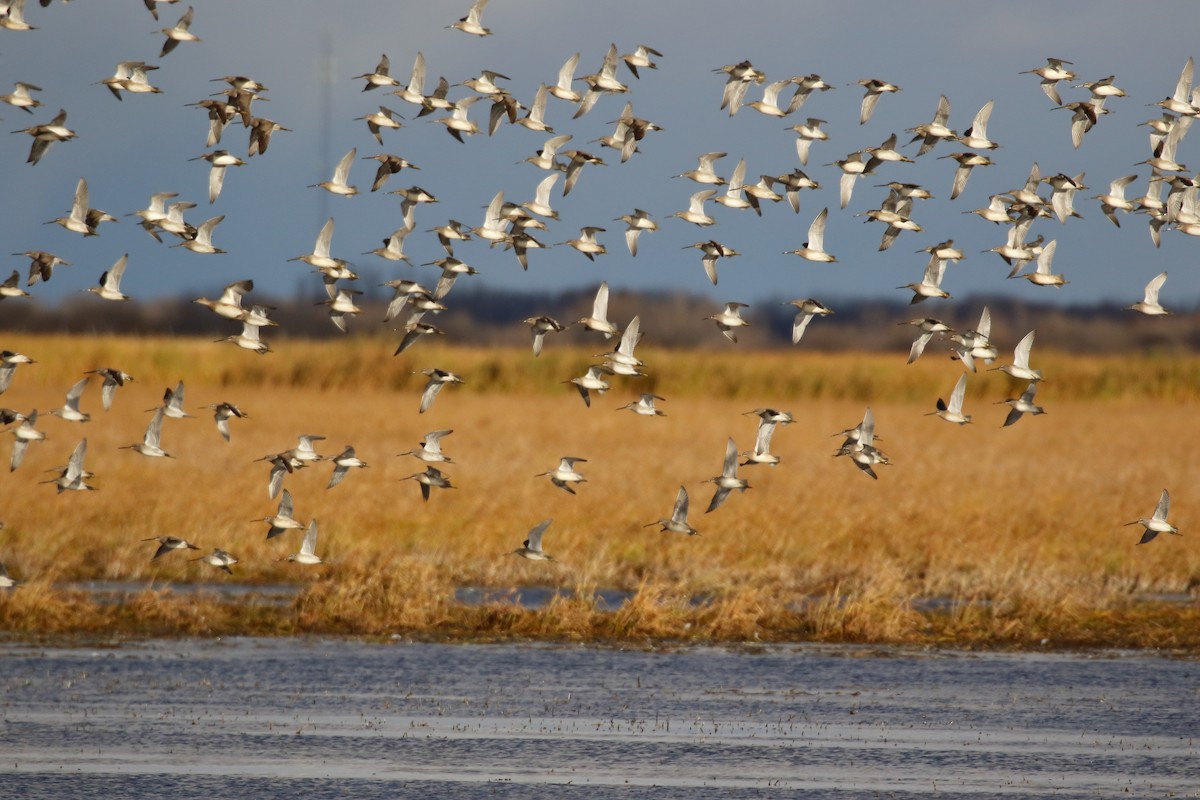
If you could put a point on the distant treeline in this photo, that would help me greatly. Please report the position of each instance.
(667, 320)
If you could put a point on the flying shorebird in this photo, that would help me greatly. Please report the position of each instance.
(283, 519)
(1149, 304)
(531, 548)
(11, 287)
(730, 319)
(1042, 275)
(929, 327)
(1022, 405)
(592, 381)
(431, 478)
(179, 32)
(379, 77)
(149, 446)
(338, 184)
(678, 522)
(598, 321)
(1051, 73)
(308, 548)
(761, 454)
(46, 134)
(113, 378)
(806, 309)
(1158, 522)
(168, 543)
(695, 211)
(250, 338)
(472, 22)
(222, 413)
(41, 265)
(202, 242)
(109, 287)
(8, 365)
(814, 248)
(875, 89)
(342, 464)
(70, 409)
(565, 473)
(644, 406)
(219, 160)
(21, 97)
(1019, 369)
(931, 133)
(23, 434)
(712, 250)
(952, 412)
(72, 476)
(728, 480)
(431, 448)
(220, 559)
(637, 222)
(437, 379)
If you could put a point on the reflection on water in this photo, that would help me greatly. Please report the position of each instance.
(332, 718)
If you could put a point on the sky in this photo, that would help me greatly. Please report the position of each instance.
(307, 54)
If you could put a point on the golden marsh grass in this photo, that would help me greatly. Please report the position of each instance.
(1017, 532)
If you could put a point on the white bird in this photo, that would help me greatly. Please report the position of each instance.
(806, 309)
(1115, 199)
(308, 548)
(109, 287)
(678, 522)
(431, 478)
(437, 379)
(283, 519)
(728, 480)
(814, 248)
(975, 137)
(218, 160)
(929, 327)
(113, 378)
(250, 337)
(565, 473)
(149, 446)
(730, 319)
(23, 434)
(431, 448)
(932, 132)
(1149, 304)
(1022, 405)
(8, 366)
(644, 406)
(598, 321)
(592, 381)
(695, 213)
(172, 405)
(712, 250)
(637, 222)
(705, 172)
(179, 32)
(72, 476)
(1019, 369)
(952, 412)
(343, 463)
(70, 409)
(531, 548)
(808, 132)
(339, 183)
(1158, 522)
(220, 559)
(168, 543)
(930, 284)
(472, 23)
(380, 77)
(623, 354)
(1042, 276)
(202, 242)
(222, 413)
(875, 89)
(21, 97)
(761, 454)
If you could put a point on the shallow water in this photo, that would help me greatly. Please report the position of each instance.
(274, 718)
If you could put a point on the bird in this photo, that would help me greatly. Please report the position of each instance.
(220, 559)
(342, 464)
(219, 161)
(458, 124)
(644, 406)
(875, 89)
(338, 184)
(1022, 405)
(929, 134)
(431, 478)
(761, 454)
(222, 413)
(931, 282)
(46, 134)
(23, 434)
(636, 223)
(308, 548)
(598, 321)
(431, 448)
(587, 244)
(72, 476)
(321, 259)
(565, 474)
(389, 165)
(966, 162)
(695, 213)
(928, 327)
(952, 412)
(640, 57)
(806, 133)
(202, 242)
(41, 265)
(250, 338)
(623, 354)
(229, 304)
(172, 404)
(859, 444)
(814, 248)
(975, 137)
(437, 379)
(130, 76)
(705, 172)
(168, 543)
(678, 521)
(1042, 275)
(70, 409)
(1149, 304)
(377, 121)
(149, 446)
(1019, 369)
(8, 366)
(592, 381)
(109, 287)
(712, 250)
(728, 480)
(472, 23)
(77, 220)
(11, 286)
(379, 77)
(730, 319)
(976, 344)
(1157, 523)
(1051, 73)
(806, 309)
(531, 548)
(179, 32)
(21, 98)
(1115, 199)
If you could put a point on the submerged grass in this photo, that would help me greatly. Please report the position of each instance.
(976, 535)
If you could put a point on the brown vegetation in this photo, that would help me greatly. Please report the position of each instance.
(976, 535)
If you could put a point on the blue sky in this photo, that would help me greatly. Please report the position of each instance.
(307, 52)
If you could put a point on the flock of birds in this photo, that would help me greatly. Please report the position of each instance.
(519, 227)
